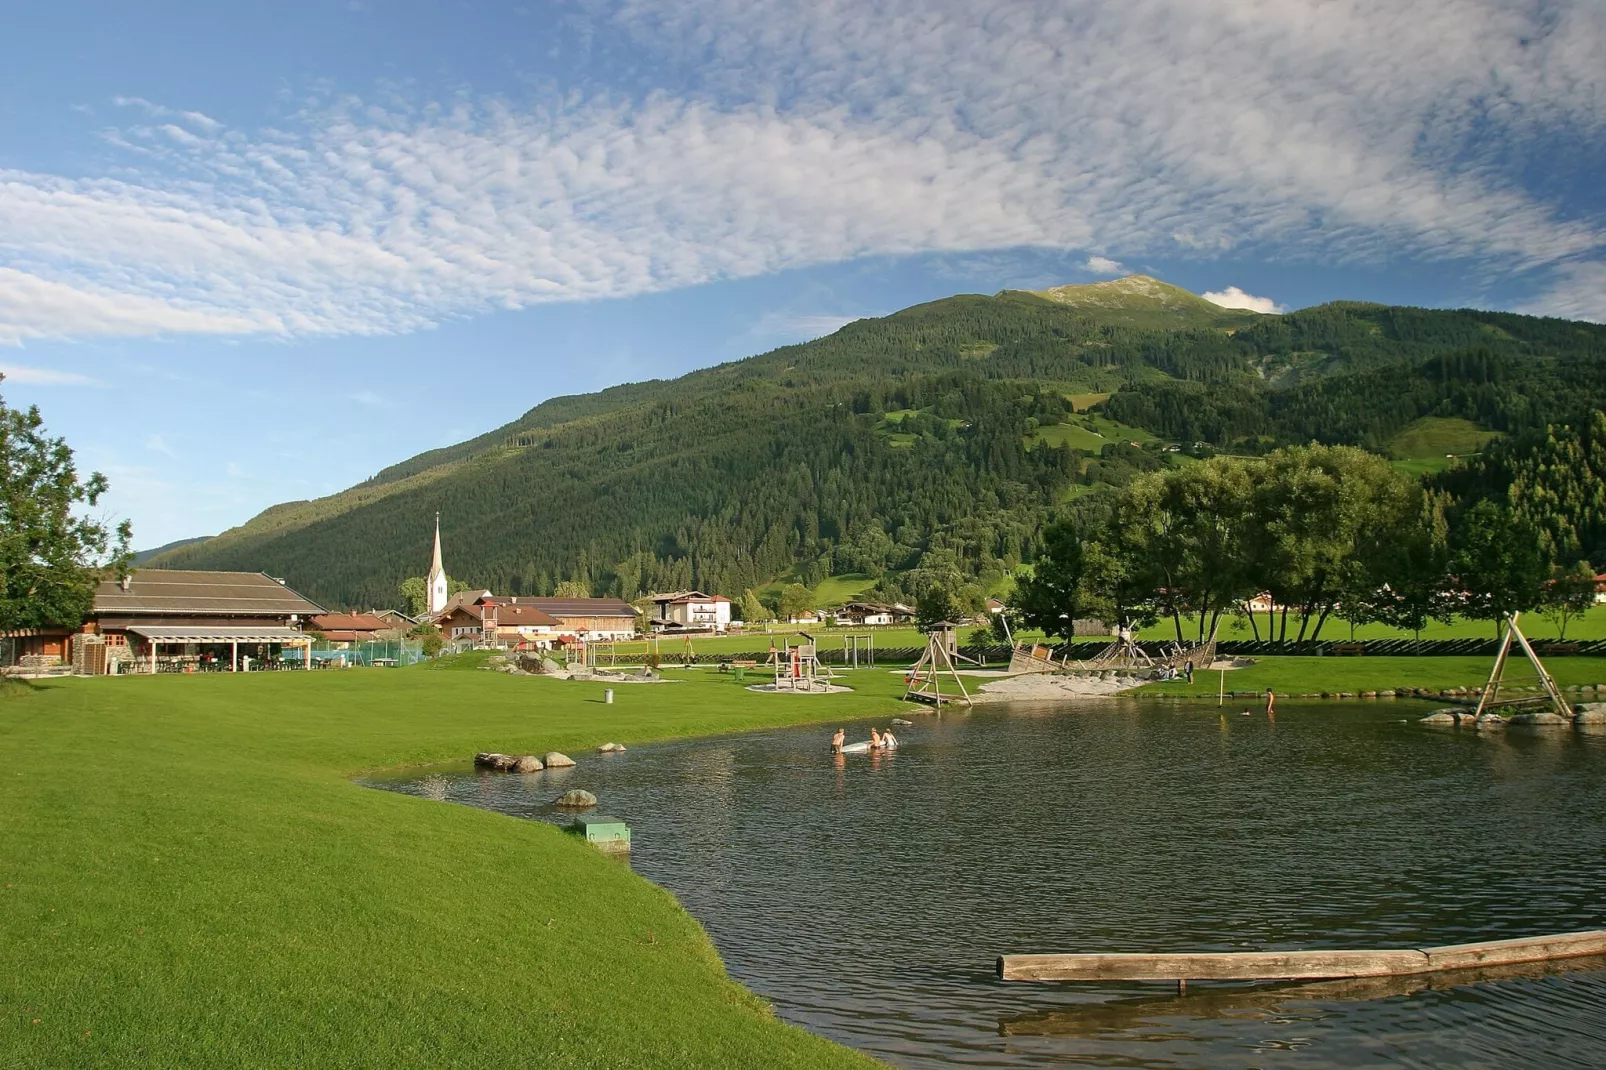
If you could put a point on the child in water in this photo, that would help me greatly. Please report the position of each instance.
(837, 740)
(887, 741)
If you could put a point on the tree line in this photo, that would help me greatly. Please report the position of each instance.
(1330, 531)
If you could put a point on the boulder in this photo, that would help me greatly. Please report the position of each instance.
(527, 763)
(557, 760)
(901, 721)
(1440, 717)
(1541, 717)
(1490, 720)
(611, 748)
(577, 798)
(1590, 713)
(1387, 692)
(493, 760)
(1368, 694)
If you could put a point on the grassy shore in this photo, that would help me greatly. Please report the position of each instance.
(189, 878)
(1336, 675)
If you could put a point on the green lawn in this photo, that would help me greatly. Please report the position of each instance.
(190, 878)
(1312, 676)
(1591, 625)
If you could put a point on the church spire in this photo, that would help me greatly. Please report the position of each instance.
(436, 583)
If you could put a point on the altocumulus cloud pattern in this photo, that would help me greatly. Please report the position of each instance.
(787, 135)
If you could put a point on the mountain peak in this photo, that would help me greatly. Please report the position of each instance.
(1132, 291)
(1141, 300)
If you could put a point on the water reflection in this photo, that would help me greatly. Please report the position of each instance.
(867, 896)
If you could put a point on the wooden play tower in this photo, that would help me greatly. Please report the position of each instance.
(925, 680)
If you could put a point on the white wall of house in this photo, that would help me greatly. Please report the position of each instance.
(698, 613)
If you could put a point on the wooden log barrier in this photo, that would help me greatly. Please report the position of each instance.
(1296, 965)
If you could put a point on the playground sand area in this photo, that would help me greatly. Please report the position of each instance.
(1048, 686)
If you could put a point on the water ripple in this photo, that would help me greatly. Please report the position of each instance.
(867, 899)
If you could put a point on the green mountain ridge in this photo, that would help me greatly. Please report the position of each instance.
(934, 438)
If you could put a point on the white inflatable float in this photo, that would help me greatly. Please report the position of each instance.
(864, 747)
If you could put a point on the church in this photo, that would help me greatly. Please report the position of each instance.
(487, 619)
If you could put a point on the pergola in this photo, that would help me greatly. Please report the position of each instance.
(181, 635)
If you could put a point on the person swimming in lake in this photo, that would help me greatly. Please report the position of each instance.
(887, 740)
(875, 739)
(837, 740)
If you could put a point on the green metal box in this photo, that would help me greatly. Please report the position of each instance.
(605, 833)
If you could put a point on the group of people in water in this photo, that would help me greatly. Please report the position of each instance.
(878, 740)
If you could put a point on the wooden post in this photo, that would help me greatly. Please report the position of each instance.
(234, 655)
(1221, 692)
(1545, 680)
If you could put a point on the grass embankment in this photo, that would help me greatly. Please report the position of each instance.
(1337, 675)
(189, 878)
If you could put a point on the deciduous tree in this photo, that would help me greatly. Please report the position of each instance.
(52, 553)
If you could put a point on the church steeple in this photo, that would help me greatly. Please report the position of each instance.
(437, 574)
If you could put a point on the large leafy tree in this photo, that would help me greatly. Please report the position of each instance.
(52, 551)
(1500, 561)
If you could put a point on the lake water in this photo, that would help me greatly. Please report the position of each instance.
(867, 897)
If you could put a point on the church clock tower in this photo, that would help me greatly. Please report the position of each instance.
(437, 575)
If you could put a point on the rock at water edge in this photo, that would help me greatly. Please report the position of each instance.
(557, 760)
(1541, 717)
(1439, 717)
(577, 798)
(1591, 713)
(527, 763)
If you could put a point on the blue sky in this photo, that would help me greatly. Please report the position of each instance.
(251, 253)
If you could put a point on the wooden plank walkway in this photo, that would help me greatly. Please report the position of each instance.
(1296, 965)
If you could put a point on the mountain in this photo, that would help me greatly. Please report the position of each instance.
(143, 556)
(1141, 301)
(934, 441)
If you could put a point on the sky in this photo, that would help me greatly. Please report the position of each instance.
(252, 253)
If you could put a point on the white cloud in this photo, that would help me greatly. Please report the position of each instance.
(1232, 297)
(1578, 292)
(371, 399)
(1103, 265)
(17, 373)
(803, 134)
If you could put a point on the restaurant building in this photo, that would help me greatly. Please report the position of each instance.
(181, 620)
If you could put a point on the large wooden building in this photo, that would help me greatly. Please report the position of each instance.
(175, 619)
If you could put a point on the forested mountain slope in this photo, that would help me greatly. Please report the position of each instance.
(938, 438)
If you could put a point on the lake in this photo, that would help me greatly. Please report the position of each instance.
(867, 897)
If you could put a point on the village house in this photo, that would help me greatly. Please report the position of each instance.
(873, 613)
(499, 620)
(347, 629)
(690, 611)
(180, 620)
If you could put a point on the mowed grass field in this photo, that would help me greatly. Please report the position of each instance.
(189, 877)
(1333, 675)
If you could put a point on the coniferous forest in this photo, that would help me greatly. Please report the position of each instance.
(937, 445)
